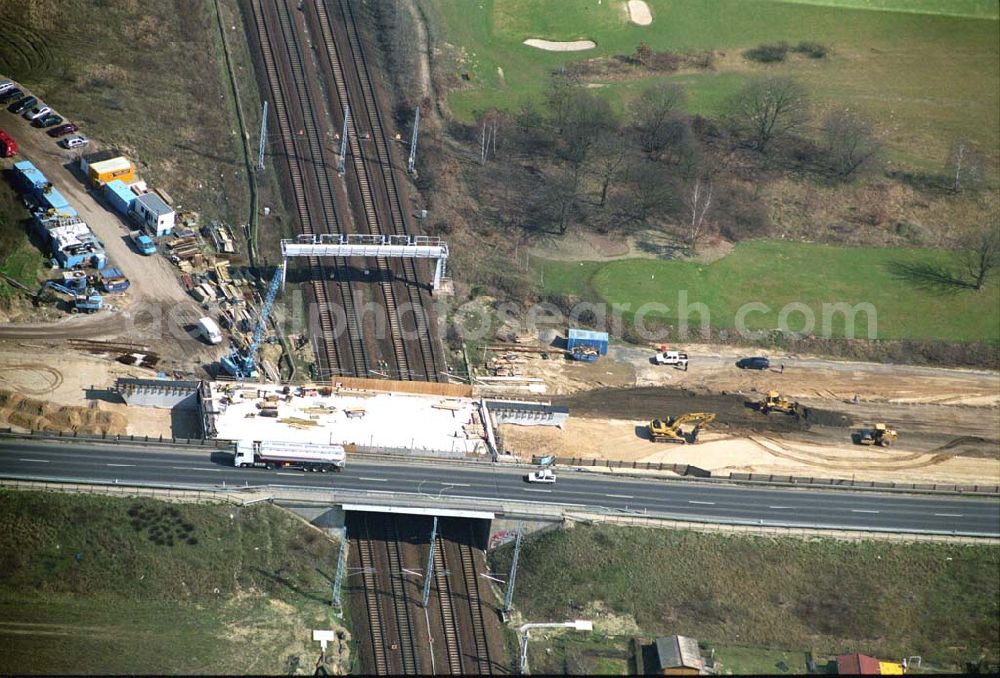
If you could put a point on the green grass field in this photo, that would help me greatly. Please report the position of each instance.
(18, 257)
(779, 273)
(84, 589)
(740, 593)
(927, 71)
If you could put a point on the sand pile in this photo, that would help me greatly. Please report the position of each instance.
(41, 416)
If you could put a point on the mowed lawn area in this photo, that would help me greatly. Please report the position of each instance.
(776, 274)
(927, 72)
(102, 585)
(890, 600)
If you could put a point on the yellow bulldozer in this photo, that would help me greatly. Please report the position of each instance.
(879, 434)
(775, 402)
(671, 429)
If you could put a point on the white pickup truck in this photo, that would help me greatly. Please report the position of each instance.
(675, 358)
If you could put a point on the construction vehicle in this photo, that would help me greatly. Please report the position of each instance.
(244, 365)
(879, 434)
(87, 301)
(271, 454)
(671, 429)
(775, 402)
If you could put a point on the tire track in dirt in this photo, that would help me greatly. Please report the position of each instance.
(899, 463)
(54, 375)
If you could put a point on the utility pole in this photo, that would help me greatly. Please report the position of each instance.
(508, 599)
(430, 564)
(413, 142)
(338, 579)
(343, 141)
(263, 137)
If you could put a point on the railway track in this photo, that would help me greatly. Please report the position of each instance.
(449, 623)
(401, 602)
(384, 162)
(364, 187)
(277, 33)
(470, 576)
(378, 192)
(366, 556)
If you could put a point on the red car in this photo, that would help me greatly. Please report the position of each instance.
(63, 130)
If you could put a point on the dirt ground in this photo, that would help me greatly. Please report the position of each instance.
(63, 378)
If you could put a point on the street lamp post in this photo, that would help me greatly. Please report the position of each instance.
(524, 629)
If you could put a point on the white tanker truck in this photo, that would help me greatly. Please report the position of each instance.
(275, 454)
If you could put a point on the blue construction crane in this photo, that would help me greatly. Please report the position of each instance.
(244, 365)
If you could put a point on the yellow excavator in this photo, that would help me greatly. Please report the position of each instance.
(670, 430)
(879, 434)
(775, 402)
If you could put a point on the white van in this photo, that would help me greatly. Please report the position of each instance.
(208, 329)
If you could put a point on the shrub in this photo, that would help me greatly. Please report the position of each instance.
(767, 54)
(813, 50)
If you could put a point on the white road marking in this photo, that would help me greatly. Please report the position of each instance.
(375, 480)
(706, 503)
(455, 484)
(194, 468)
(120, 464)
(778, 508)
(535, 489)
(379, 492)
(620, 496)
(863, 511)
(37, 461)
(949, 515)
(279, 473)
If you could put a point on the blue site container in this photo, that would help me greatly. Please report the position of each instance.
(587, 345)
(119, 195)
(28, 178)
(52, 199)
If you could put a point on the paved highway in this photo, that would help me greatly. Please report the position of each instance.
(486, 484)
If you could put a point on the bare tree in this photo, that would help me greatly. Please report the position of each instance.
(587, 120)
(650, 192)
(562, 87)
(766, 110)
(965, 166)
(610, 155)
(656, 115)
(643, 53)
(559, 200)
(851, 143)
(697, 199)
(982, 255)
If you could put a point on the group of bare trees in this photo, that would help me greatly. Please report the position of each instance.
(658, 166)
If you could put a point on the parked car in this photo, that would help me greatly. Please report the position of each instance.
(36, 113)
(10, 95)
(22, 104)
(47, 121)
(63, 130)
(545, 475)
(74, 142)
(755, 363)
(6, 85)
